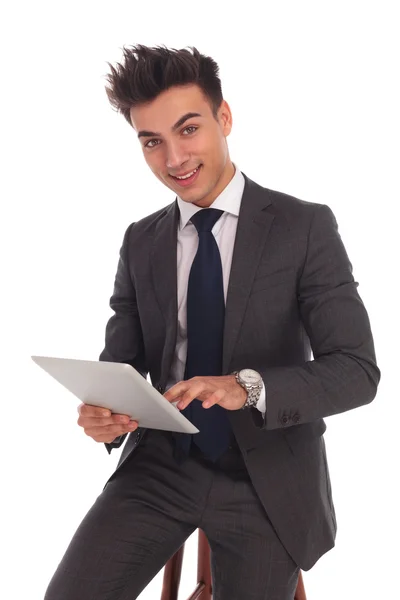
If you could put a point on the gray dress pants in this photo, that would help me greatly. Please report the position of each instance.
(147, 510)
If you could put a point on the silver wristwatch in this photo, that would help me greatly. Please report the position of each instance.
(252, 382)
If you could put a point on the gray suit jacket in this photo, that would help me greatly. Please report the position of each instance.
(291, 292)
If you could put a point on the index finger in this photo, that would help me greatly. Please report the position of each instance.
(93, 411)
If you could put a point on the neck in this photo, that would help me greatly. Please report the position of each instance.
(226, 177)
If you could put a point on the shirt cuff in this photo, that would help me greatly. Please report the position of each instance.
(261, 404)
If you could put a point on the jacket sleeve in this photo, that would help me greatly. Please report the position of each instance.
(123, 336)
(344, 373)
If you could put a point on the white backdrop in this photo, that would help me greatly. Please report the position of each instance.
(313, 88)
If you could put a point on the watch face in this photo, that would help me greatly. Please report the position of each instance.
(249, 376)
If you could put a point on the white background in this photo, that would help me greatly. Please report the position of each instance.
(313, 88)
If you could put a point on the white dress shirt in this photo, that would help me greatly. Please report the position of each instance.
(224, 232)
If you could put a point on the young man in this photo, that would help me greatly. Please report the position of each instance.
(220, 296)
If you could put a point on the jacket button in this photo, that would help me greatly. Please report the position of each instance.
(285, 420)
(296, 418)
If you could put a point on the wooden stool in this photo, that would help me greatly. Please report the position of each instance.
(203, 590)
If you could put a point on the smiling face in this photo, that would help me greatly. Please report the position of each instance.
(178, 132)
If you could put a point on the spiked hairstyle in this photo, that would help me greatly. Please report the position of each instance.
(146, 72)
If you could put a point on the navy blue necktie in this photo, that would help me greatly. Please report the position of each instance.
(205, 329)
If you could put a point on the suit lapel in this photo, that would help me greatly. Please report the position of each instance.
(164, 273)
(252, 231)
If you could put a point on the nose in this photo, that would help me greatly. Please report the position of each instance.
(176, 157)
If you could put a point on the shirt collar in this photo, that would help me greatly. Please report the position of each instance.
(229, 200)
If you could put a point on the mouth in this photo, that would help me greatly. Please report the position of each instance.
(188, 180)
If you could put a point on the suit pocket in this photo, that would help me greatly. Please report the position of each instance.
(272, 280)
(299, 437)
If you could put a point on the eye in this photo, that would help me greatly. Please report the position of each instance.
(186, 129)
(147, 144)
(190, 127)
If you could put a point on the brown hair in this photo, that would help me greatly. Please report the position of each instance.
(146, 72)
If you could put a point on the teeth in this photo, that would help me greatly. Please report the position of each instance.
(189, 174)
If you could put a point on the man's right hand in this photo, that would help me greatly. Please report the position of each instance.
(102, 425)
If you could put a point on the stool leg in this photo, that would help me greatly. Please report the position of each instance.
(300, 591)
(204, 566)
(172, 575)
(203, 590)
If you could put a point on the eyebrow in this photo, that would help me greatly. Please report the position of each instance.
(189, 115)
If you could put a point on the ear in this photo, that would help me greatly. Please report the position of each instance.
(225, 117)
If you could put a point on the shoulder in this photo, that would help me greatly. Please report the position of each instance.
(298, 211)
(146, 226)
(292, 210)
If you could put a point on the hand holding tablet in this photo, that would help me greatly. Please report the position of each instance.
(117, 387)
(103, 426)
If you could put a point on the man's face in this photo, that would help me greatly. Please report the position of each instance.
(199, 140)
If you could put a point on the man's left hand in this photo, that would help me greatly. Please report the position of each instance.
(223, 390)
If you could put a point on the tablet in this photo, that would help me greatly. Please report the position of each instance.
(118, 387)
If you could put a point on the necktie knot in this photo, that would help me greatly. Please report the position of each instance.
(205, 219)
